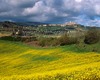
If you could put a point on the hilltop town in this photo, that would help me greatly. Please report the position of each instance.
(15, 29)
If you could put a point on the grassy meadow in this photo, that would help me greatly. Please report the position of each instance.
(72, 62)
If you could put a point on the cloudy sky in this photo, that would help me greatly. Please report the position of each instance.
(86, 12)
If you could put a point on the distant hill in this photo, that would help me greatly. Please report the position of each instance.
(89, 27)
(29, 23)
(34, 24)
(9, 24)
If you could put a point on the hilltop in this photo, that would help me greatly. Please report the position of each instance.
(11, 24)
(38, 29)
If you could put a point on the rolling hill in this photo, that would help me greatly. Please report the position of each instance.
(21, 62)
(13, 24)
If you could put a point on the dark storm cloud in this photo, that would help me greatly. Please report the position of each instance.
(54, 11)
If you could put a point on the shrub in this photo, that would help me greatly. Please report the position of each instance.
(46, 41)
(18, 38)
(92, 36)
(10, 38)
(66, 40)
(61, 41)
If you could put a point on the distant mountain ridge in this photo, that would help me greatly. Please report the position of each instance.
(29, 23)
(35, 24)
(9, 24)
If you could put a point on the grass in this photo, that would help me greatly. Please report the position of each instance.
(21, 62)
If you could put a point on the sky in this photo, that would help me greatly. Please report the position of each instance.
(86, 12)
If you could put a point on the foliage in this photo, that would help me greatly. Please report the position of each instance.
(46, 41)
(66, 40)
(18, 38)
(63, 40)
(10, 38)
(92, 36)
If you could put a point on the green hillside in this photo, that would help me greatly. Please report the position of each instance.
(21, 62)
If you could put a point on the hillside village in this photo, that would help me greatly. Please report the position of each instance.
(40, 30)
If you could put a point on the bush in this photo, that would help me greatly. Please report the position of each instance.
(66, 40)
(61, 41)
(46, 41)
(92, 36)
(10, 38)
(22, 39)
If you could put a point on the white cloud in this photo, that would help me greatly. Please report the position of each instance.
(50, 10)
(78, 1)
(97, 9)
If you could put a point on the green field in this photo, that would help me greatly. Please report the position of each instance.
(21, 62)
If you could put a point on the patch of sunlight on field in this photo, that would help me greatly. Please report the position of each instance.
(18, 62)
(3, 34)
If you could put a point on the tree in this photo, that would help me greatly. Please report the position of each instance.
(66, 40)
(92, 36)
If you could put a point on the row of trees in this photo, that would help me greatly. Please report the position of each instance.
(92, 36)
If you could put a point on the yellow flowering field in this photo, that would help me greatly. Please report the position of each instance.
(21, 62)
